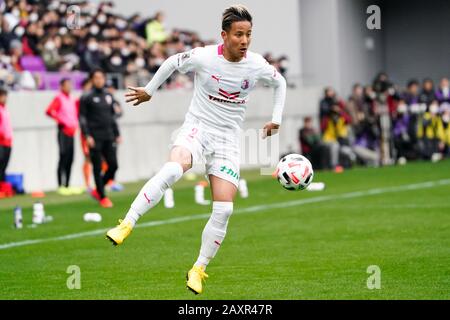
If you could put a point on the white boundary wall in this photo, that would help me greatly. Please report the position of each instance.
(146, 132)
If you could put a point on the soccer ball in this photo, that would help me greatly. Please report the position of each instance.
(294, 172)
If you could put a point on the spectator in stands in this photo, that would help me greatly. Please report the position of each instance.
(15, 52)
(155, 29)
(310, 144)
(427, 95)
(63, 109)
(370, 102)
(446, 129)
(115, 64)
(366, 141)
(381, 84)
(411, 98)
(335, 136)
(50, 53)
(401, 134)
(7, 74)
(327, 102)
(69, 59)
(91, 58)
(443, 92)
(431, 133)
(5, 143)
(34, 33)
(6, 36)
(283, 63)
(356, 103)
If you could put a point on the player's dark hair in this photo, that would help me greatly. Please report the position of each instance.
(234, 14)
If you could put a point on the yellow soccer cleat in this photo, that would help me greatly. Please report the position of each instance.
(118, 234)
(195, 278)
(64, 191)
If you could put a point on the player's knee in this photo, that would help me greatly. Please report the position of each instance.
(182, 156)
(222, 211)
(173, 171)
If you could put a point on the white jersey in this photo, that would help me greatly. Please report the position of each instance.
(221, 87)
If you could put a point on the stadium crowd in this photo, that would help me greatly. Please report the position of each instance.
(47, 36)
(380, 124)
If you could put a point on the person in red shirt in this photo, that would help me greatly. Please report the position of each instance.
(63, 109)
(5, 144)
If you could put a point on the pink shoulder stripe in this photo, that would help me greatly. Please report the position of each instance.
(220, 49)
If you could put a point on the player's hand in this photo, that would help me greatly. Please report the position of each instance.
(119, 140)
(90, 141)
(270, 129)
(137, 95)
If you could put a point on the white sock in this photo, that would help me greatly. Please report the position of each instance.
(214, 232)
(152, 192)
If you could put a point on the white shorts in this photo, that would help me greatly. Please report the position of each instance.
(219, 151)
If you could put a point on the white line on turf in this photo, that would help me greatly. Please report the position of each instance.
(252, 209)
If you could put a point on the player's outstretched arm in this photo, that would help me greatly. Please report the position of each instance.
(143, 94)
(183, 62)
(274, 79)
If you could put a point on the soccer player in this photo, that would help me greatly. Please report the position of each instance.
(99, 126)
(224, 76)
(63, 109)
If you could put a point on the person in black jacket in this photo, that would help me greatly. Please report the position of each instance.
(98, 124)
(427, 95)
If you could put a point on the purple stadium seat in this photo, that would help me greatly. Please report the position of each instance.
(32, 63)
(50, 80)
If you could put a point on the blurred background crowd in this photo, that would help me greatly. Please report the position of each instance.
(39, 40)
(380, 123)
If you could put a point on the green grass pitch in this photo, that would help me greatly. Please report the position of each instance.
(280, 244)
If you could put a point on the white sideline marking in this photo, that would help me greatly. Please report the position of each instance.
(253, 209)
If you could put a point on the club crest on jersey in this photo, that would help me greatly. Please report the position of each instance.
(108, 99)
(245, 84)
